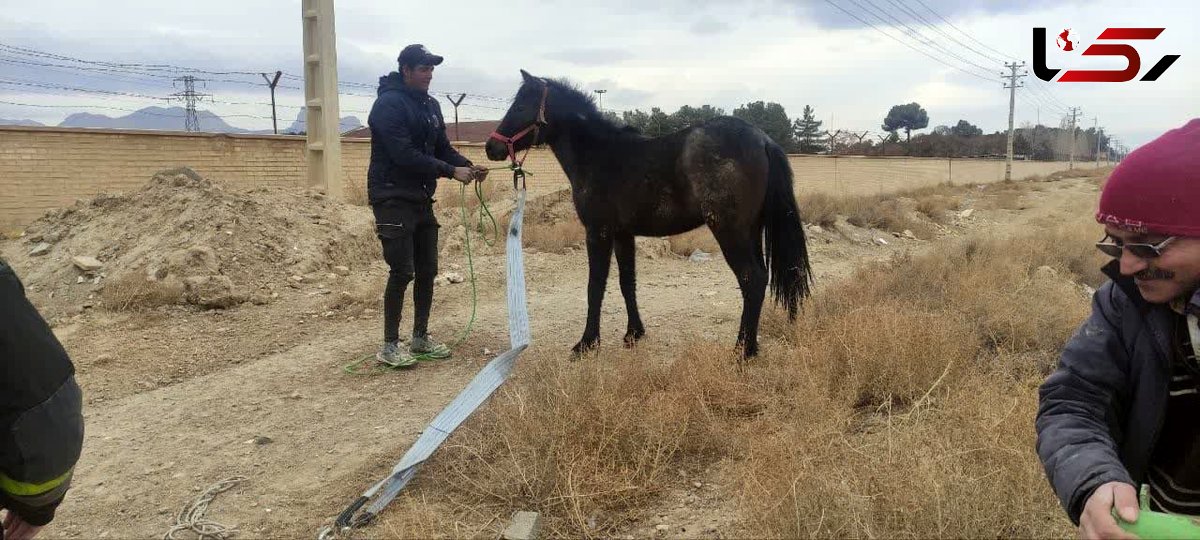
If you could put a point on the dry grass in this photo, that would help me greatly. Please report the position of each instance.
(554, 237)
(355, 192)
(820, 208)
(132, 291)
(685, 244)
(900, 405)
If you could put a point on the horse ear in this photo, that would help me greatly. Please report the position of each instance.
(525, 75)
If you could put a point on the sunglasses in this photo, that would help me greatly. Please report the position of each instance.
(1141, 251)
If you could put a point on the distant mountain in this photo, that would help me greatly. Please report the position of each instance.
(7, 122)
(156, 118)
(347, 123)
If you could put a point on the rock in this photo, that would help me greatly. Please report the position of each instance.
(295, 395)
(662, 527)
(212, 292)
(524, 526)
(261, 440)
(966, 213)
(39, 250)
(86, 264)
(909, 235)
(104, 359)
(297, 279)
(697, 485)
(197, 260)
(341, 270)
(79, 279)
(454, 277)
(816, 228)
(881, 241)
(700, 256)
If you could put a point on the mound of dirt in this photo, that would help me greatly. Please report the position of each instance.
(548, 209)
(182, 239)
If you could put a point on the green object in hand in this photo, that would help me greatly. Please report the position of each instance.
(1151, 524)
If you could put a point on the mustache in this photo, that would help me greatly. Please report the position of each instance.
(1152, 274)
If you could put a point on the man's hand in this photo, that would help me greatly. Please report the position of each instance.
(464, 174)
(481, 172)
(16, 528)
(1097, 520)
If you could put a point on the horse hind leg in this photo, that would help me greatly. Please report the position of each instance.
(626, 266)
(744, 258)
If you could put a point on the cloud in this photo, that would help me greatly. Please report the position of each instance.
(708, 26)
(594, 56)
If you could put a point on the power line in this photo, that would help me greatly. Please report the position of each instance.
(922, 38)
(902, 42)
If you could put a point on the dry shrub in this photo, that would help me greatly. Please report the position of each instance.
(554, 237)
(589, 444)
(935, 206)
(688, 242)
(132, 291)
(962, 467)
(454, 196)
(820, 208)
(355, 193)
(899, 406)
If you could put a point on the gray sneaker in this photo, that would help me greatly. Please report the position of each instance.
(391, 355)
(425, 347)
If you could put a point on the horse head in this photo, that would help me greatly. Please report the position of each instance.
(522, 126)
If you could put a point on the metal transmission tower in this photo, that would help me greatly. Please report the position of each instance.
(189, 97)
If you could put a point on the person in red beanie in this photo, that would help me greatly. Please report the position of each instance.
(1115, 416)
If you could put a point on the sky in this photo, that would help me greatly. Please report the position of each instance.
(851, 60)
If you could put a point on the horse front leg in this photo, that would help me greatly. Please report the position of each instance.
(626, 268)
(600, 249)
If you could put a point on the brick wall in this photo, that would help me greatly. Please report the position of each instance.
(45, 168)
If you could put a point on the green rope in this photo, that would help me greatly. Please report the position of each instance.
(353, 367)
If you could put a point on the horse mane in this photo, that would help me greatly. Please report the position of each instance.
(576, 102)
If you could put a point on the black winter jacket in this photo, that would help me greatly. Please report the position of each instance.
(409, 147)
(41, 419)
(1100, 412)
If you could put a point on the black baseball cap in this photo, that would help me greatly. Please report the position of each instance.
(417, 55)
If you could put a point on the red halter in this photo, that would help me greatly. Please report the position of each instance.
(534, 128)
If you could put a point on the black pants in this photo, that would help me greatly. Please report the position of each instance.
(409, 234)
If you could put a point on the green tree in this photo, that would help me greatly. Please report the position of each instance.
(907, 117)
(690, 116)
(772, 119)
(807, 130)
(965, 129)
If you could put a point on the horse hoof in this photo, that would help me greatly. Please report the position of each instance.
(631, 338)
(584, 347)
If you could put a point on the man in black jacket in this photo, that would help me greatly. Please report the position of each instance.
(41, 419)
(1119, 412)
(409, 152)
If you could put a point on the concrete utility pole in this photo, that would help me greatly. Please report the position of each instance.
(272, 83)
(600, 103)
(1096, 126)
(1012, 103)
(461, 97)
(1074, 112)
(321, 97)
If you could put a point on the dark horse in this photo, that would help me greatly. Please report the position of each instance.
(724, 173)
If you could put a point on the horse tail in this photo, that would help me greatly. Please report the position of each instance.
(786, 246)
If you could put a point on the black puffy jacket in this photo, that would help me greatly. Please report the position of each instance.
(41, 418)
(409, 147)
(1100, 412)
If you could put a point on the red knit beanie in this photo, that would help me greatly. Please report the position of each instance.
(1156, 188)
